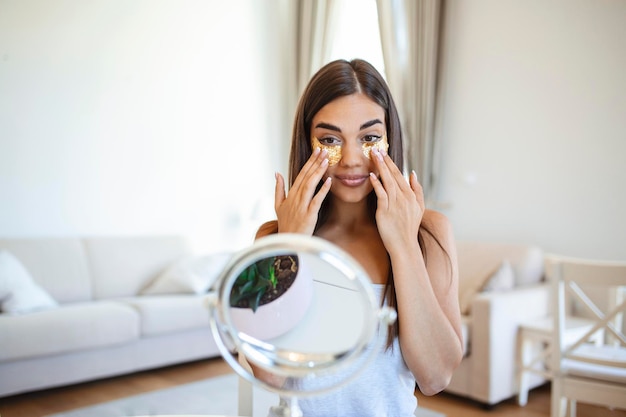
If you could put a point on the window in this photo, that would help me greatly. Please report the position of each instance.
(357, 34)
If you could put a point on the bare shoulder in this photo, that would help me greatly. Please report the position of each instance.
(436, 222)
(440, 244)
(439, 228)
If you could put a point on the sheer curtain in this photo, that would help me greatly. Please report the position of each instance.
(309, 32)
(410, 32)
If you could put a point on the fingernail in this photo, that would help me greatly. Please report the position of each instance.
(325, 162)
(379, 154)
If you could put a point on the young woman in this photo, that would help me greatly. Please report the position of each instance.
(346, 186)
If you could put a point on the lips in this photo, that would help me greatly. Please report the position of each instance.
(352, 180)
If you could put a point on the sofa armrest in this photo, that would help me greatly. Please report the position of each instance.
(495, 320)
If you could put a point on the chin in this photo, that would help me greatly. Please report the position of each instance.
(352, 196)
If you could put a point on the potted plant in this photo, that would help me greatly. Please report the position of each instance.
(270, 296)
(264, 281)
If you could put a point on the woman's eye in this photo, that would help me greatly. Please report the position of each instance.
(330, 141)
(371, 138)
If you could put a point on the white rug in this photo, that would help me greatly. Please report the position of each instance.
(214, 396)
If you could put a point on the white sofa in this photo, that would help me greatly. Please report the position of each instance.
(119, 305)
(500, 285)
(98, 307)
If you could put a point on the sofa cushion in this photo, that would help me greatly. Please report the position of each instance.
(502, 279)
(58, 265)
(122, 266)
(529, 266)
(72, 327)
(174, 313)
(18, 292)
(479, 261)
(190, 275)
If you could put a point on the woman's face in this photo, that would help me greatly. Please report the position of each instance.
(348, 128)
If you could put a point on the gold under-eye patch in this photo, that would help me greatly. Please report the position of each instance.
(381, 145)
(334, 151)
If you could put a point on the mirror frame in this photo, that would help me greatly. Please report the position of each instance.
(222, 325)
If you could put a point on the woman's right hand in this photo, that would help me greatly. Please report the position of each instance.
(297, 212)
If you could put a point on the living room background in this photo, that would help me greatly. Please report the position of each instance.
(166, 116)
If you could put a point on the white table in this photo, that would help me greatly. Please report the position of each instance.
(534, 344)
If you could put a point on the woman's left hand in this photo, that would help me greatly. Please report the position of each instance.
(400, 203)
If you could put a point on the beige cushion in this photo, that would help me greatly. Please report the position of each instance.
(479, 261)
(190, 275)
(589, 369)
(122, 266)
(528, 266)
(173, 313)
(18, 292)
(502, 279)
(58, 265)
(69, 328)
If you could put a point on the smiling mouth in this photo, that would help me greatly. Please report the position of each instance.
(352, 180)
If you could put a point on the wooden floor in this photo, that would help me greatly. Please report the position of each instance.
(39, 404)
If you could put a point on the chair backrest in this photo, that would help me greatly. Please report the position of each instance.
(576, 278)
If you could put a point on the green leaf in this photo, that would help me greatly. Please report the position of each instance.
(254, 305)
(253, 282)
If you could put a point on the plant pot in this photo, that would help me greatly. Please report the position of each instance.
(281, 315)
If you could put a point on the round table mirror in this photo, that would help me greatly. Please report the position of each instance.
(296, 315)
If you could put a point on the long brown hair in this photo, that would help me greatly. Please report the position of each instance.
(337, 79)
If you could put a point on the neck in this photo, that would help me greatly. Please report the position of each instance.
(349, 216)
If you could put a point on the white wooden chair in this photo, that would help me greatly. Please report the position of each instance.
(584, 370)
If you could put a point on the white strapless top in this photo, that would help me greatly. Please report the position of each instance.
(385, 387)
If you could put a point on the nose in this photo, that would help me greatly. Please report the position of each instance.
(351, 154)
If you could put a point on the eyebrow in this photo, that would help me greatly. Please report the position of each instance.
(337, 129)
(370, 124)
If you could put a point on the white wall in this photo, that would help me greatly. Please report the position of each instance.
(118, 117)
(125, 117)
(533, 119)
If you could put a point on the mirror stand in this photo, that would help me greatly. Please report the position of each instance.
(287, 407)
(320, 341)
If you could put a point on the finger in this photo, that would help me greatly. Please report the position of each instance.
(312, 178)
(381, 193)
(395, 172)
(311, 165)
(417, 190)
(279, 191)
(386, 177)
(316, 202)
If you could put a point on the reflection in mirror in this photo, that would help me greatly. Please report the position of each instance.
(296, 315)
(270, 296)
(264, 281)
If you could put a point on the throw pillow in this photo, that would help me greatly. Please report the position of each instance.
(477, 263)
(18, 292)
(529, 269)
(191, 275)
(501, 280)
